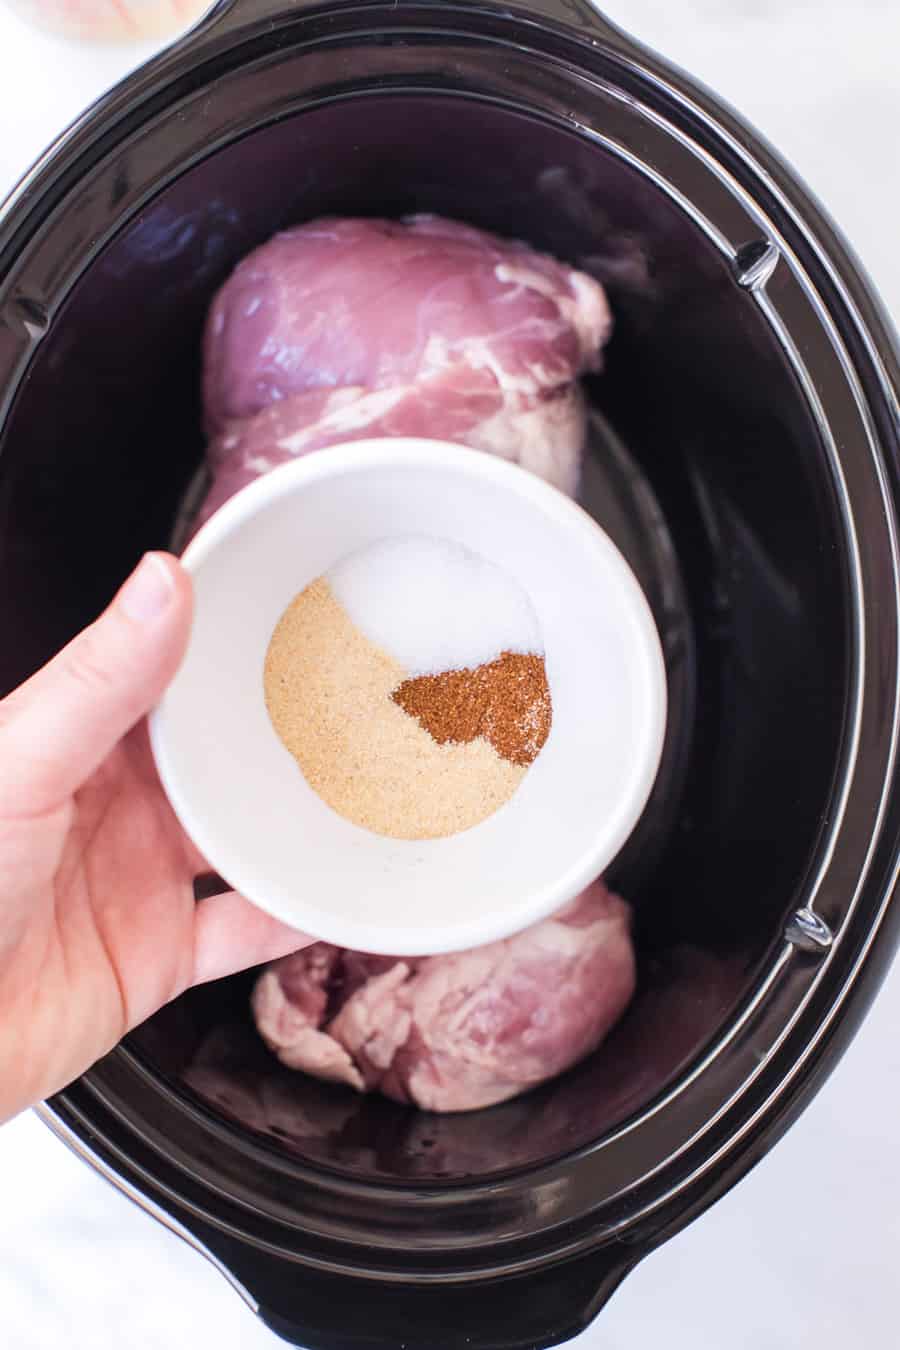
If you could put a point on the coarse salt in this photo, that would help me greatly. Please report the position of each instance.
(433, 605)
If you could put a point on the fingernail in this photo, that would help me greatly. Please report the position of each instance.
(149, 589)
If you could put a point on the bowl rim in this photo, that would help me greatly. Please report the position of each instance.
(365, 457)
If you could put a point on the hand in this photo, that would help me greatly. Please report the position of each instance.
(98, 922)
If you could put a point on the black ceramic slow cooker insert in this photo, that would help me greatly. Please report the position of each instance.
(746, 443)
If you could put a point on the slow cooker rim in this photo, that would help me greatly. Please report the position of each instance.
(34, 186)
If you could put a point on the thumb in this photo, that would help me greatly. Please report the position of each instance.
(59, 726)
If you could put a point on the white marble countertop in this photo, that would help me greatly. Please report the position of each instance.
(802, 1254)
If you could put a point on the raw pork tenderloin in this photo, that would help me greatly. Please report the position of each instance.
(341, 330)
(454, 1033)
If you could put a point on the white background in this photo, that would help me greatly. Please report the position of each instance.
(801, 1255)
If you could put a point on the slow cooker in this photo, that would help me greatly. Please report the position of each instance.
(746, 438)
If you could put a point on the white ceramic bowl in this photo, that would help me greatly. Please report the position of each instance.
(245, 803)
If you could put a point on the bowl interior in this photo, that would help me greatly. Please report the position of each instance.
(708, 472)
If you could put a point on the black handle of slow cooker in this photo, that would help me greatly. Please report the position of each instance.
(319, 1310)
(578, 14)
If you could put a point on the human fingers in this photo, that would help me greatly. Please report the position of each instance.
(62, 723)
(230, 935)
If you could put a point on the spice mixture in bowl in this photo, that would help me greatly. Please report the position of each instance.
(409, 684)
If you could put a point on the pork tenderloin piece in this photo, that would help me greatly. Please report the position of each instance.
(456, 1032)
(343, 329)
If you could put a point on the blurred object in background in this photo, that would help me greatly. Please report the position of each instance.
(111, 20)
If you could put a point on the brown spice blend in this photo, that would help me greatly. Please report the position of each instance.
(507, 701)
